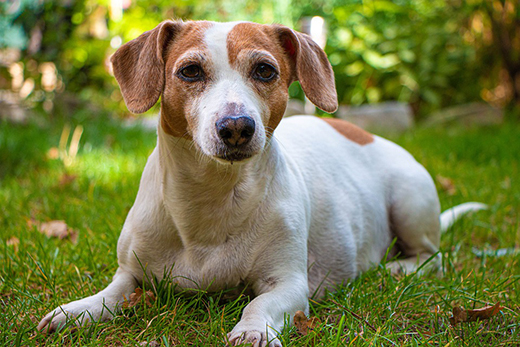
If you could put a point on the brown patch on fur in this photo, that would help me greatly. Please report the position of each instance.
(350, 131)
(180, 98)
(139, 66)
(145, 68)
(298, 58)
(244, 42)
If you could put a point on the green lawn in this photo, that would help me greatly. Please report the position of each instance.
(95, 191)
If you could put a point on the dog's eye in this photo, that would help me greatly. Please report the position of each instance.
(191, 73)
(264, 72)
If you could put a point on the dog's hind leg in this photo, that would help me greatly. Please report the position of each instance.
(99, 307)
(414, 217)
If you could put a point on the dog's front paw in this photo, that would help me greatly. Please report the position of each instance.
(251, 334)
(79, 312)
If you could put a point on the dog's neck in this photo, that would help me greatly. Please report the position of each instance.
(210, 201)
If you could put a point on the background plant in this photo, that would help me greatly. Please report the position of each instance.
(430, 54)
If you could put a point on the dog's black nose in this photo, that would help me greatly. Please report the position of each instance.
(236, 131)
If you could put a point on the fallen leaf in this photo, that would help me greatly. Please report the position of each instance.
(459, 315)
(55, 228)
(31, 223)
(446, 184)
(485, 312)
(13, 241)
(303, 324)
(137, 296)
(462, 315)
(67, 179)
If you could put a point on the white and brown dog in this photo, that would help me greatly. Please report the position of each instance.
(226, 199)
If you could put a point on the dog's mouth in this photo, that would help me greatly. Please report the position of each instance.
(234, 156)
(229, 154)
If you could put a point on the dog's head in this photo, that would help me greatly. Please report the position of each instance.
(223, 85)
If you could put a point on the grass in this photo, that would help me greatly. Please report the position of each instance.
(94, 193)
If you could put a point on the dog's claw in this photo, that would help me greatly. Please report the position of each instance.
(53, 321)
(252, 338)
(46, 326)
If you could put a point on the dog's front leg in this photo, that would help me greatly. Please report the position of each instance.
(264, 317)
(99, 307)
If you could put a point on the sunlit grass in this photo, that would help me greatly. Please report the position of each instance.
(39, 273)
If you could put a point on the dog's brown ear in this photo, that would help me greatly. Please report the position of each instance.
(311, 67)
(139, 66)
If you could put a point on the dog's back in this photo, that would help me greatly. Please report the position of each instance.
(352, 225)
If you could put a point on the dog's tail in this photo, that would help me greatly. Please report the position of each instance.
(451, 215)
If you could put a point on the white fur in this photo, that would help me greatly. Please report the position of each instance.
(450, 216)
(312, 209)
(230, 87)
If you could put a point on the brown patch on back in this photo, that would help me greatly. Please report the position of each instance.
(246, 38)
(350, 131)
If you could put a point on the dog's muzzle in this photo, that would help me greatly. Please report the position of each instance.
(236, 133)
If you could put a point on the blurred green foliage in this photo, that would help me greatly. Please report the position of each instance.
(404, 50)
(430, 53)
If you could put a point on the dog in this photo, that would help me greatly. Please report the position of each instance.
(232, 194)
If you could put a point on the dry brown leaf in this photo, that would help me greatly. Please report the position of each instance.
(13, 241)
(31, 223)
(447, 184)
(67, 179)
(55, 228)
(303, 324)
(485, 312)
(461, 315)
(137, 296)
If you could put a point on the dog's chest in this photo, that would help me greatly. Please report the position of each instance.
(215, 217)
(211, 268)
